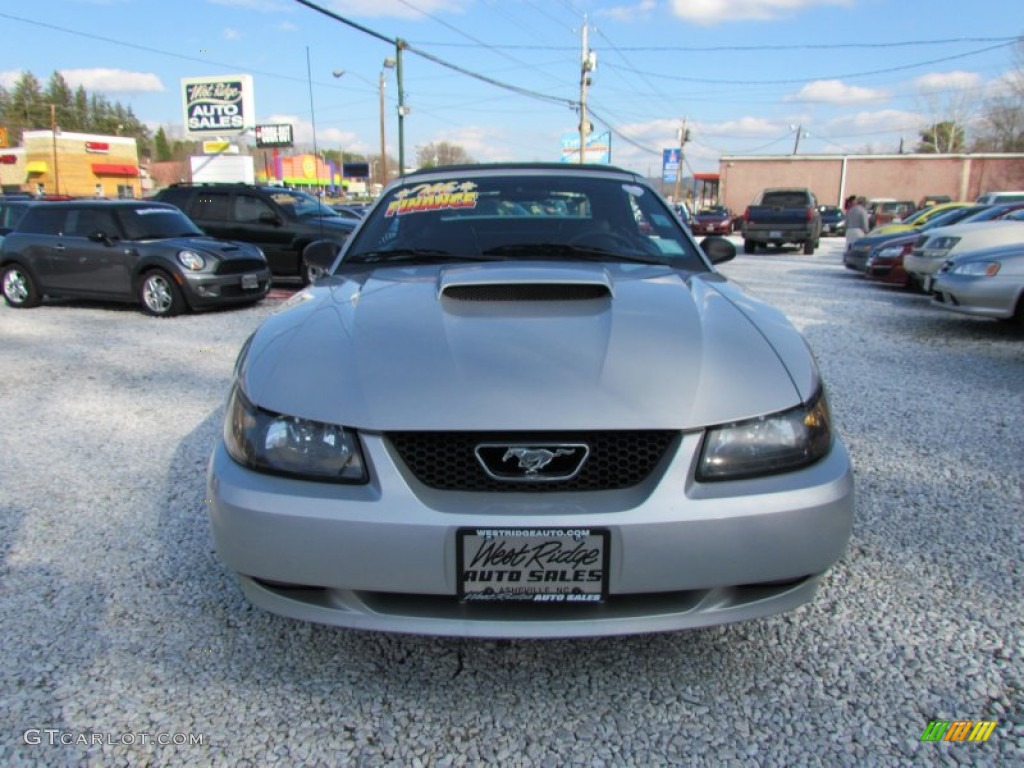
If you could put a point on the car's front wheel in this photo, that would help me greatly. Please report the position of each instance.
(159, 296)
(19, 288)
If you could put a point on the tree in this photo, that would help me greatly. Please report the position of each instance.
(161, 146)
(58, 94)
(1002, 126)
(441, 153)
(26, 110)
(942, 137)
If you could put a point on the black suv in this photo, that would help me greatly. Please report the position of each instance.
(126, 251)
(283, 222)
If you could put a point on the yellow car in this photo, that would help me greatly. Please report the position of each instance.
(915, 220)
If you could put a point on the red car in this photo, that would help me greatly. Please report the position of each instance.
(885, 264)
(716, 220)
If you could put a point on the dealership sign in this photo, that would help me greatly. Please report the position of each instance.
(276, 135)
(598, 149)
(218, 105)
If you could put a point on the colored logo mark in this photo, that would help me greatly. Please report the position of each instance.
(958, 730)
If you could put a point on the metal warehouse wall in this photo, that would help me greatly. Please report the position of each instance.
(902, 177)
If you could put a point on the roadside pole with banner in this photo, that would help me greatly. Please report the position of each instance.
(670, 168)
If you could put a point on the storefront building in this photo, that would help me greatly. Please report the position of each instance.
(76, 164)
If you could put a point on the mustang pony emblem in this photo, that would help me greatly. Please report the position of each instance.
(535, 459)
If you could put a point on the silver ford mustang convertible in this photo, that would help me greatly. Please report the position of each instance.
(521, 402)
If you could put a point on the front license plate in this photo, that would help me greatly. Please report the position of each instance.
(775, 234)
(250, 282)
(561, 565)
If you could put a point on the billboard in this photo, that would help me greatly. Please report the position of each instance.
(670, 164)
(217, 105)
(277, 135)
(599, 148)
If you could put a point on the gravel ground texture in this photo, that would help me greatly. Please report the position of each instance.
(125, 640)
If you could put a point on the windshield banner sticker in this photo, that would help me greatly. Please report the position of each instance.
(433, 197)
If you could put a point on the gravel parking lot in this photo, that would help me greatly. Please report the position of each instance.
(125, 639)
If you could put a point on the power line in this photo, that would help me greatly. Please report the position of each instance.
(743, 48)
(847, 76)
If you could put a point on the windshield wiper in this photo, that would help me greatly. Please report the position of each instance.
(587, 252)
(411, 254)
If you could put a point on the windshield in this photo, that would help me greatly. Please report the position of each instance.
(300, 203)
(156, 223)
(523, 216)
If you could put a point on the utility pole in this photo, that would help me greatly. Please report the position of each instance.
(53, 131)
(796, 144)
(588, 63)
(383, 161)
(684, 136)
(402, 109)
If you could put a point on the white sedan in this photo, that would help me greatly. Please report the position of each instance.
(935, 248)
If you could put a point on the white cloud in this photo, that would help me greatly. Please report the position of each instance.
(835, 92)
(944, 81)
(326, 138)
(287, 26)
(483, 144)
(232, 34)
(1006, 84)
(113, 80)
(378, 8)
(9, 77)
(864, 125)
(626, 13)
(716, 11)
(752, 127)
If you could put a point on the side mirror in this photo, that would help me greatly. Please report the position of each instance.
(321, 254)
(718, 249)
(98, 236)
(268, 217)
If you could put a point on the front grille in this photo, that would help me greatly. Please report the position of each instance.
(240, 266)
(446, 460)
(527, 292)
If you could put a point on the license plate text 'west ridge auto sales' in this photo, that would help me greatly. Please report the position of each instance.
(534, 565)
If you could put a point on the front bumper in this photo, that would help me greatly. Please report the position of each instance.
(382, 556)
(975, 295)
(206, 291)
(922, 265)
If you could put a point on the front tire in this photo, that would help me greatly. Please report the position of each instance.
(159, 295)
(19, 288)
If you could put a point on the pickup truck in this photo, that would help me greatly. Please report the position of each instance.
(782, 215)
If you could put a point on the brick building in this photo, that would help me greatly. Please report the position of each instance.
(902, 177)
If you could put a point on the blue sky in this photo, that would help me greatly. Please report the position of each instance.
(855, 75)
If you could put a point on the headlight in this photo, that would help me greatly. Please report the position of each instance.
(890, 253)
(979, 268)
(191, 260)
(269, 442)
(941, 244)
(768, 444)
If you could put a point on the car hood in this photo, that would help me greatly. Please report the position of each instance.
(224, 249)
(875, 239)
(453, 348)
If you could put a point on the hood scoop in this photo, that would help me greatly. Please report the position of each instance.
(525, 282)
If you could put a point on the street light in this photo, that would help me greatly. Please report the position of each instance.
(389, 63)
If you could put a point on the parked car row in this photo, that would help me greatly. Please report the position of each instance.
(235, 239)
(969, 258)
